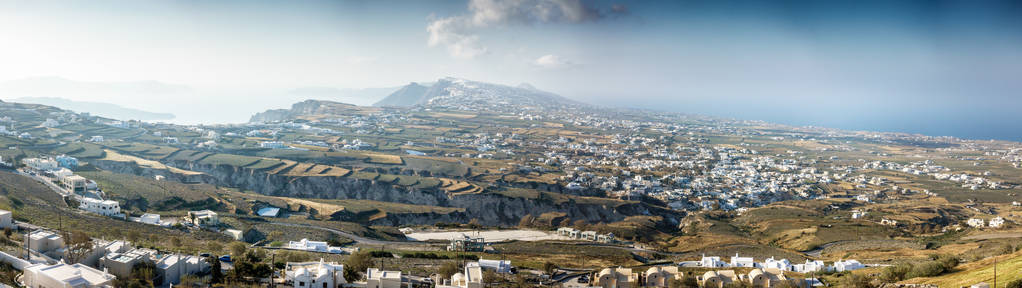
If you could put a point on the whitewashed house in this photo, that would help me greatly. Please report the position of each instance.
(149, 218)
(743, 261)
(809, 266)
(315, 274)
(996, 222)
(313, 246)
(783, 264)
(63, 275)
(376, 278)
(975, 223)
(108, 208)
(6, 219)
(203, 218)
(848, 265)
(712, 261)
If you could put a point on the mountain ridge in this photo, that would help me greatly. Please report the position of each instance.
(450, 91)
(104, 109)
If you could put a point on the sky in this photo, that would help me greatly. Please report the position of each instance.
(932, 67)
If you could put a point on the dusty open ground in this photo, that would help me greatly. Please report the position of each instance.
(491, 236)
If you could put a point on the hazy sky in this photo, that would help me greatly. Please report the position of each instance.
(935, 67)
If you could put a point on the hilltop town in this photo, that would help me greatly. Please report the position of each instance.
(471, 184)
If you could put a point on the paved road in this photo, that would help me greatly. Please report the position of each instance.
(45, 181)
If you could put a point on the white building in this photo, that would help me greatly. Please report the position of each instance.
(499, 266)
(45, 242)
(863, 198)
(376, 278)
(809, 266)
(172, 267)
(273, 144)
(783, 264)
(996, 222)
(62, 173)
(41, 164)
(847, 265)
(742, 262)
(315, 274)
(235, 234)
(75, 184)
(203, 218)
(50, 123)
(976, 223)
(471, 278)
(712, 261)
(149, 218)
(96, 139)
(859, 214)
(313, 246)
(120, 264)
(6, 219)
(102, 207)
(63, 275)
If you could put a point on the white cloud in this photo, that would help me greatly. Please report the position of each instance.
(551, 61)
(453, 32)
(458, 33)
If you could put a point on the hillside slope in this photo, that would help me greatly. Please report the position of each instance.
(1008, 267)
(408, 95)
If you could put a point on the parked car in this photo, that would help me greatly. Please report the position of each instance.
(583, 279)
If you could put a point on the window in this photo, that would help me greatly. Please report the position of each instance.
(301, 284)
(324, 285)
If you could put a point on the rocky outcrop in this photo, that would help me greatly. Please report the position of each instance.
(486, 208)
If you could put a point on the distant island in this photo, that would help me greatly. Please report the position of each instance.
(98, 108)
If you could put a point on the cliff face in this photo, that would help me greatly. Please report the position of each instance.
(305, 108)
(487, 208)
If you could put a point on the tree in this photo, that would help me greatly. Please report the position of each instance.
(474, 223)
(238, 249)
(358, 262)
(216, 274)
(188, 281)
(549, 268)
(857, 281)
(79, 245)
(144, 272)
(448, 269)
(1014, 284)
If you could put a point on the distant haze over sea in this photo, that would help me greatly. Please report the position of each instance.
(963, 118)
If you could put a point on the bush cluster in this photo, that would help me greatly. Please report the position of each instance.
(937, 265)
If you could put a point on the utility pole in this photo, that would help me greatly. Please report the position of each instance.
(273, 269)
(995, 272)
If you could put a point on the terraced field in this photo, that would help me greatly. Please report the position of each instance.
(117, 157)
